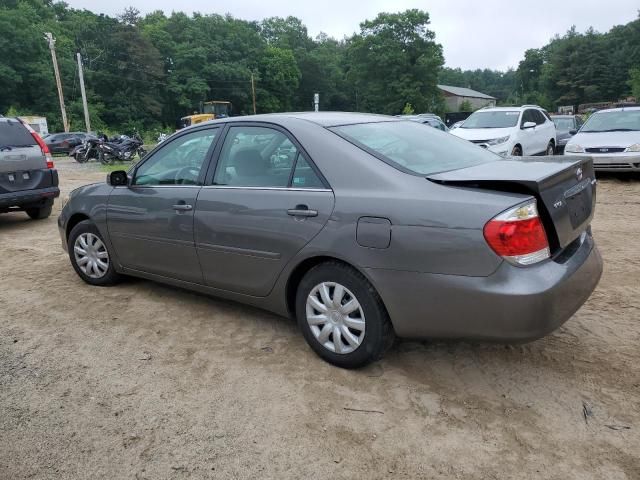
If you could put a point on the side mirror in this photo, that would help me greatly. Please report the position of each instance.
(528, 125)
(118, 178)
(573, 131)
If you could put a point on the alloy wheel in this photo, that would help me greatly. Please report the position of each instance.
(91, 255)
(335, 317)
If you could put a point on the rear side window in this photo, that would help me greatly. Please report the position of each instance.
(304, 176)
(14, 134)
(414, 149)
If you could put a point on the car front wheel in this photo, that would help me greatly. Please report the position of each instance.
(341, 316)
(551, 149)
(90, 256)
(517, 151)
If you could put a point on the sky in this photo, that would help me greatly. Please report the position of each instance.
(474, 34)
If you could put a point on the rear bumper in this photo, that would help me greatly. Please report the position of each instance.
(23, 198)
(513, 304)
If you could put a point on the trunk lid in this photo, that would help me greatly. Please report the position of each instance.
(564, 188)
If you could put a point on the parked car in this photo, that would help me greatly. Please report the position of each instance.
(28, 180)
(375, 227)
(429, 119)
(64, 142)
(566, 127)
(516, 131)
(612, 138)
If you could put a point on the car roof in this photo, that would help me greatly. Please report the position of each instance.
(502, 109)
(564, 115)
(619, 109)
(324, 119)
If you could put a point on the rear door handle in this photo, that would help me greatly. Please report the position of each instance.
(302, 211)
(182, 207)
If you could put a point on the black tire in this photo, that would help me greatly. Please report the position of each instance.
(517, 151)
(80, 158)
(39, 213)
(141, 153)
(551, 149)
(111, 277)
(379, 334)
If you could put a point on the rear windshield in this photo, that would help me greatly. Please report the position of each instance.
(13, 134)
(413, 148)
(492, 119)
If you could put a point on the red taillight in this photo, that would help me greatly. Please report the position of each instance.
(43, 146)
(518, 235)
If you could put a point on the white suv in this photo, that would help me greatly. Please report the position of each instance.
(526, 130)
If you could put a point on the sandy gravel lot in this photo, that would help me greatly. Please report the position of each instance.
(144, 381)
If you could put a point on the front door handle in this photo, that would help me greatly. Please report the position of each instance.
(302, 211)
(182, 207)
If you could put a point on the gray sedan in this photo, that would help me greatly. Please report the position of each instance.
(362, 227)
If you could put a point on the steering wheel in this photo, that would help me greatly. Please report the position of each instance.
(187, 176)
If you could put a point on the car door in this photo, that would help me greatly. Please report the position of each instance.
(264, 202)
(528, 135)
(545, 130)
(150, 221)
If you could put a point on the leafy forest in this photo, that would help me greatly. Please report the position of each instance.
(144, 72)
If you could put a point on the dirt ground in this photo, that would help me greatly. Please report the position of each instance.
(144, 381)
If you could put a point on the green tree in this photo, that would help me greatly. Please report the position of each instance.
(395, 59)
(634, 82)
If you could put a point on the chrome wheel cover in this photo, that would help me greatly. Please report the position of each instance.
(91, 255)
(335, 317)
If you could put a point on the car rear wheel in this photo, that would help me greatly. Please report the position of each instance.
(517, 151)
(341, 316)
(39, 213)
(90, 256)
(551, 149)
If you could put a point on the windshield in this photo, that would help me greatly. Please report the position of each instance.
(619, 121)
(492, 119)
(410, 147)
(564, 123)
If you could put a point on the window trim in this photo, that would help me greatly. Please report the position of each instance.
(215, 160)
(207, 160)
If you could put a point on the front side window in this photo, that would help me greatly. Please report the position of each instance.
(492, 119)
(539, 117)
(255, 157)
(528, 116)
(413, 148)
(179, 162)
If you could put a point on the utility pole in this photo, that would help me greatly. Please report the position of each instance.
(253, 93)
(84, 94)
(52, 46)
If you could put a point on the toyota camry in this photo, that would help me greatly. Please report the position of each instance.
(361, 227)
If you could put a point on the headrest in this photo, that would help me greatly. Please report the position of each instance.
(249, 163)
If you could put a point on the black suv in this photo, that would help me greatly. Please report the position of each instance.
(28, 181)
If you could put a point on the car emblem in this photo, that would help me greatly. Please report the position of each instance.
(604, 150)
(579, 173)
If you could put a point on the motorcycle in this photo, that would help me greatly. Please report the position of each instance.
(86, 150)
(124, 150)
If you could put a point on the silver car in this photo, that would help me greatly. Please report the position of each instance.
(362, 227)
(612, 138)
